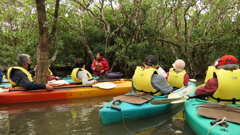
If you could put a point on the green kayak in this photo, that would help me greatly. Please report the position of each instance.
(203, 125)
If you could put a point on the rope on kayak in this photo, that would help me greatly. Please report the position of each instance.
(124, 125)
(113, 106)
(222, 121)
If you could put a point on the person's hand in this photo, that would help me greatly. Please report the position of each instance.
(94, 69)
(48, 87)
(101, 71)
(95, 81)
(35, 68)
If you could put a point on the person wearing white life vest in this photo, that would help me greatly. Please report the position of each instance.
(146, 79)
(80, 74)
(177, 76)
(224, 86)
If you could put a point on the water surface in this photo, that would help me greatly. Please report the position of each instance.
(80, 117)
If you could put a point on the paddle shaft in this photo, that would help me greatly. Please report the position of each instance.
(44, 89)
(115, 80)
(77, 86)
(169, 100)
(55, 87)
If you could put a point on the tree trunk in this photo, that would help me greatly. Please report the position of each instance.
(84, 39)
(43, 46)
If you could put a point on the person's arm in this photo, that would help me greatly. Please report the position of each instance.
(167, 75)
(82, 75)
(105, 65)
(32, 72)
(22, 80)
(186, 80)
(93, 65)
(50, 78)
(210, 87)
(160, 83)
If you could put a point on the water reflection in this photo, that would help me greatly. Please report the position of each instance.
(155, 125)
(80, 117)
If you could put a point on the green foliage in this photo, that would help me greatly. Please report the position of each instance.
(198, 31)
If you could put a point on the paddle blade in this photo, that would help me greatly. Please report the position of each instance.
(106, 85)
(4, 90)
(192, 80)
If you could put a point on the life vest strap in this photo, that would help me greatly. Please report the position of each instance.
(152, 93)
(233, 100)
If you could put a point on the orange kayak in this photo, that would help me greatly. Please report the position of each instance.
(64, 92)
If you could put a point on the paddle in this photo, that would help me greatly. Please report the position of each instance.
(192, 80)
(169, 100)
(109, 80)
(106, 85)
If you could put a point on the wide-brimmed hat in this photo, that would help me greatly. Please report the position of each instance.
(227, 59)
(179, 64)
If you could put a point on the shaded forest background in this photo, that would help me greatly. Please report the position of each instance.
(197, 31)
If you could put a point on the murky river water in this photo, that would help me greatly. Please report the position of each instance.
(80, 117)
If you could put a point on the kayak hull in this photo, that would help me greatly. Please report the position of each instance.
(70, 92)
(201, 125)
(139, 125)
(110, 114)
(114, 75)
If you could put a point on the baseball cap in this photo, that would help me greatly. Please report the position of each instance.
(227, 59)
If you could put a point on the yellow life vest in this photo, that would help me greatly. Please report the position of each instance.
(142, 80)
(74, 74)
(228, 87)
(50, 72)
(9, 73)
(176, 79)
(210, 71)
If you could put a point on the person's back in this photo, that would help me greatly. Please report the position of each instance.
(177, 76)
(19, 76)
(146, 79)
(224, 87)
(80, 74)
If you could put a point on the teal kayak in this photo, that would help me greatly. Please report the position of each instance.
(115, 112)
(139, 125)
(205, 126)
(5, 84)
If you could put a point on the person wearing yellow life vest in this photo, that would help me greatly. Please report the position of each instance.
(80, 74)
(224, 86)
(211, 69)
(51, 76)
(146, 79)
(19, 76)
(177, 76)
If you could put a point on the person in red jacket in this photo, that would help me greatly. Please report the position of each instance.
(100, 65)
